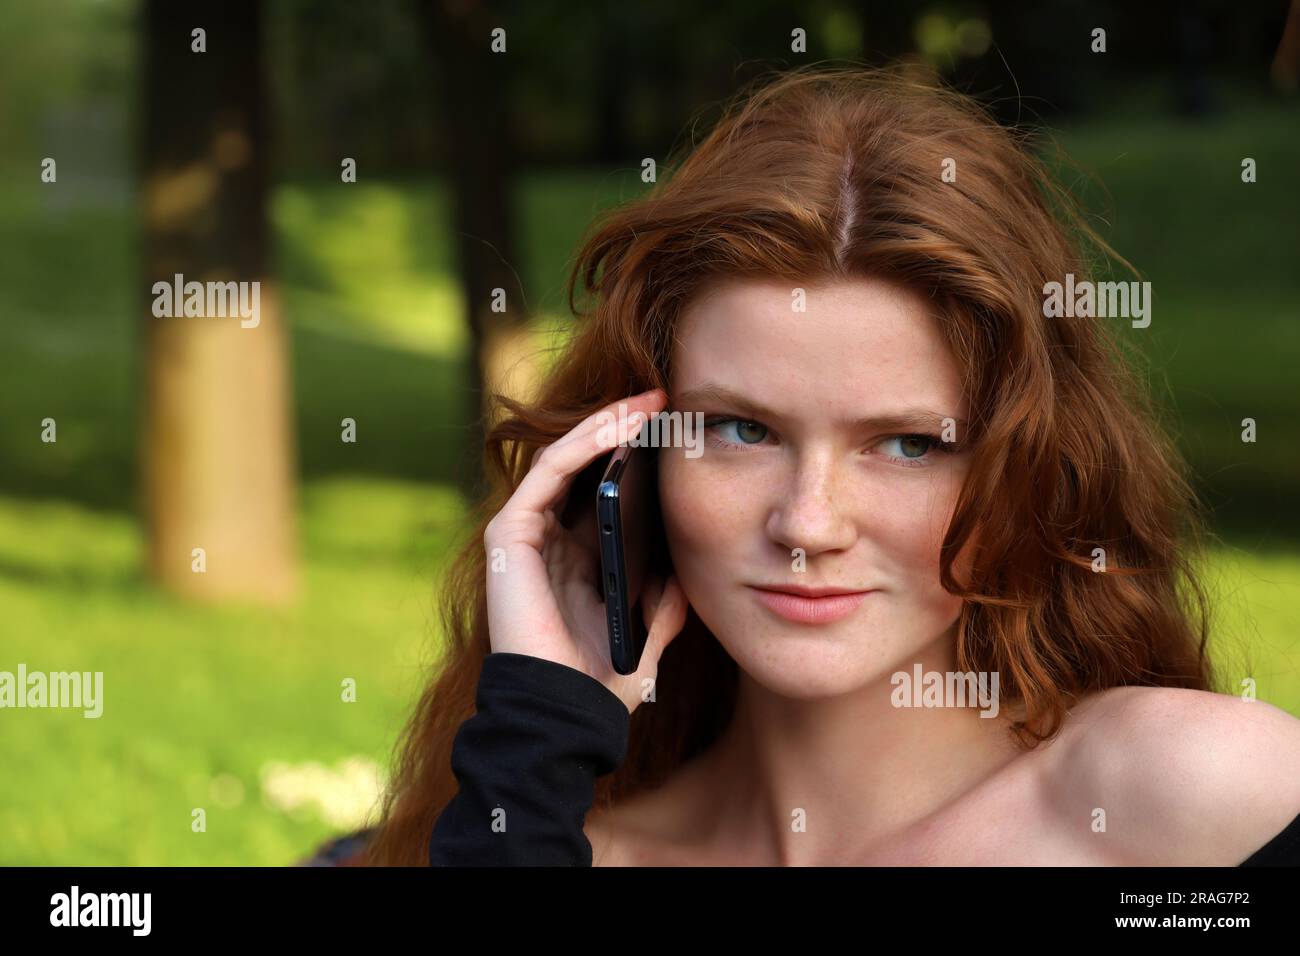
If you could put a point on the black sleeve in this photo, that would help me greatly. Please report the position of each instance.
(527, 763)
(1282, 850)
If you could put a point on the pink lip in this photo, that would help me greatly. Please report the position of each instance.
(811, 610)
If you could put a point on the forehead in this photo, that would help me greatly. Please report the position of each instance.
(859, 345)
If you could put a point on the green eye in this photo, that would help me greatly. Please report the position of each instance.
(914, 449)
(909, 443)
(748, 433)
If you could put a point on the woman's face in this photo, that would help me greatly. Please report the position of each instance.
(787, 480)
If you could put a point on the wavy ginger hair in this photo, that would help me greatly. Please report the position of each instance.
(832, 174)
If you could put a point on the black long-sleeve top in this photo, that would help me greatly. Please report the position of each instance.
(527, 764)
(528, 760)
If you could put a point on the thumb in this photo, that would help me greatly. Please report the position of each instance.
(651, 594)
(666, 615)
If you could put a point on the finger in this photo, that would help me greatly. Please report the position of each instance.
(554, 466)
(639, 408)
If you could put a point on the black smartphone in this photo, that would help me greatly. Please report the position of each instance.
(613, 509)
(623, 518)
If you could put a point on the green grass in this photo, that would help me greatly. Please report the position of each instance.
(199, 701)
(193, 695)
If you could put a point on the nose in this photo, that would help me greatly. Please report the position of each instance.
(809, 515)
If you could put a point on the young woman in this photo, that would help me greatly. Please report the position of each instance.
(846, 280)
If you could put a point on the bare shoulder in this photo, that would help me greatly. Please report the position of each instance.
(1173, 777)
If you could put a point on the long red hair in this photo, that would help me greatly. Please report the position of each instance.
(836, 173)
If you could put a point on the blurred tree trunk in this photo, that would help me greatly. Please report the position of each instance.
(480, 157)
(218, 448)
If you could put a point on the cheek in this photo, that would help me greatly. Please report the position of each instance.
(697, 511)
(909, 522)
(911, 532)
(706, 518)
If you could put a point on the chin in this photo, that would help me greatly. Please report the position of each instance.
(805, 679)
(801, 663)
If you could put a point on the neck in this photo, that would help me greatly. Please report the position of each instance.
(819, 782)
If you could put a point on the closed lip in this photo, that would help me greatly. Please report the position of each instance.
(803, 591)
(810, 605)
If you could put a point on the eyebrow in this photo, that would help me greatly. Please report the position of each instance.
(901, 419)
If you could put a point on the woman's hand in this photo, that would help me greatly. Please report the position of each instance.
(541, 599)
